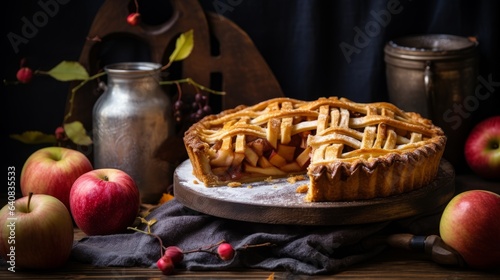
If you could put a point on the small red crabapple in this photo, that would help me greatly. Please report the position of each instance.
(134, 19)
(59, 133)
(225, 251)
(175, 253)
(166, 265)
(24, 75)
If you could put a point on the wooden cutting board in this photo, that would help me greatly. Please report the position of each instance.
(276, 201)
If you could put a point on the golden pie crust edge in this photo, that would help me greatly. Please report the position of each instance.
(391, 174)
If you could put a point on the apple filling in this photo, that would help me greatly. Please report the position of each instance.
(259, 158)
(243, 156)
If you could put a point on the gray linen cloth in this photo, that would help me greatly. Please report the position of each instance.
(307, 250)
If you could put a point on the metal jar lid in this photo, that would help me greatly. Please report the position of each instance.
(431, 47)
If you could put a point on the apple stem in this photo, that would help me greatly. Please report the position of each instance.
(105, 178)
(29, 200)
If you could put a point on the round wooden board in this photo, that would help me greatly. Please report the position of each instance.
(276, 202)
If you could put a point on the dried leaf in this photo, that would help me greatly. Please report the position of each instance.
(165, 197)
(148, 223)
(68, 71)
(77, 133)
(35, 137)
(152, 222)
(183, 46)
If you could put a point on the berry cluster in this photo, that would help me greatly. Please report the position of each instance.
(199, 108)
(174, 255)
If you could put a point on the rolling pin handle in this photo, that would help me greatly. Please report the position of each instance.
(441, 252)
(417, 243)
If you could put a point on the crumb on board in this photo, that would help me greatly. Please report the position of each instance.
(268, 179)
(233, 184)
(249, 186)
(302, 189)
(295, 178)
(195, 182)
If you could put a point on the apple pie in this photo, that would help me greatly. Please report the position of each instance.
(350, 151)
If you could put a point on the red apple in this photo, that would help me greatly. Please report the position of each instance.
(482, 148)
(470, 225)
(52, 171)
(36, 232)
(104, 201)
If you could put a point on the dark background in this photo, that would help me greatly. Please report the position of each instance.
(299, 39)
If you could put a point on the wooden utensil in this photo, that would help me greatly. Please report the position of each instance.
(431, 245)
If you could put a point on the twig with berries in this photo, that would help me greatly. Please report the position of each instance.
(222, 249)
(172, 255)
(148, 231)
(74, 71)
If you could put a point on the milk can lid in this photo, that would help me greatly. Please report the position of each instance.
(431, 46)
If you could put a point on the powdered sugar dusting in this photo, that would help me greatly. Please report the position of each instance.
(273, 192)
(276, 201)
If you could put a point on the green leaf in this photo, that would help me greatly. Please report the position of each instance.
(76, 132)
(68, 71)
(35, 137)
(183, 46)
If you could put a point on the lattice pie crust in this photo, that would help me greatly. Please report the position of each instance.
(350, 151)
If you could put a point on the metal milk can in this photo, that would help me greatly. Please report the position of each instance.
(434, 75)
(131, 119)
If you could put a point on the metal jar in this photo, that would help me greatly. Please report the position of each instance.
(432, 75)
(131, 120)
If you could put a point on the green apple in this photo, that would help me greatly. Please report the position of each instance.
(36, 232)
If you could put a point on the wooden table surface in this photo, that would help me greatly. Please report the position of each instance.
(391, 264)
